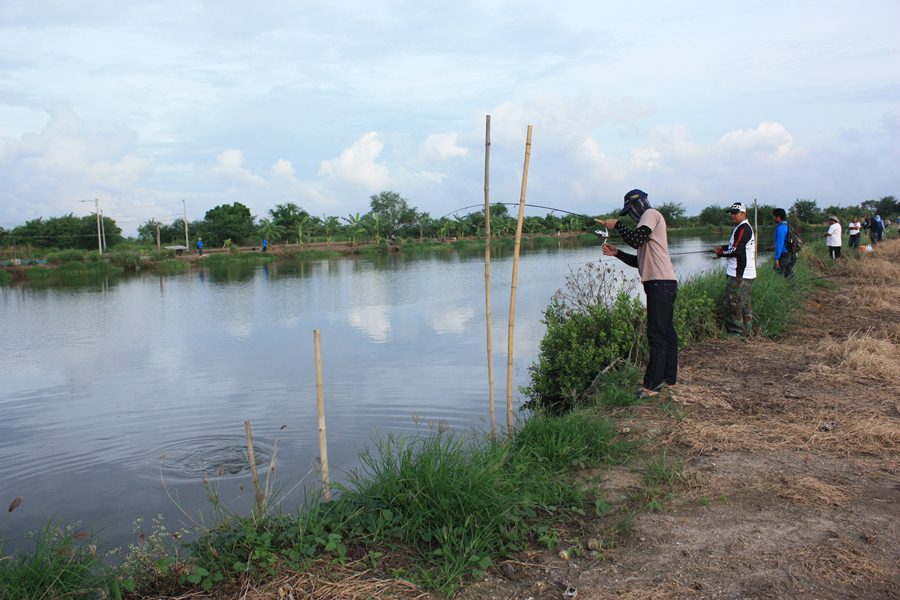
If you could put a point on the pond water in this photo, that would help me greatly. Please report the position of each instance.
(119, 398)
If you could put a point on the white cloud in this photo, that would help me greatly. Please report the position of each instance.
(442, 146)
(768, 140)
(230, 165)
(358, 164)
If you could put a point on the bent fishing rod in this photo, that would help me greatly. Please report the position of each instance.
(550, 208)
(602, 234)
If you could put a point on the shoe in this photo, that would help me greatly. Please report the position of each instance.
(645, 394)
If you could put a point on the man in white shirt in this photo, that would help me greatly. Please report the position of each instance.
(740, 271)
(833, 237)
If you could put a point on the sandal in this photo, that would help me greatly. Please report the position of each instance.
(645, 394)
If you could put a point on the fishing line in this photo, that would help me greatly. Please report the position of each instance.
(568, 212)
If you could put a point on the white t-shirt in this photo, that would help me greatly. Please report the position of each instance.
(854, 228)
(833, 236)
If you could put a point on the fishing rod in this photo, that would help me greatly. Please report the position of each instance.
(551, 208)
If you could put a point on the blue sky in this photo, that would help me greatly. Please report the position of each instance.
(145, 104)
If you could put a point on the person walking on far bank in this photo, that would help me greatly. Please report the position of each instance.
(654, 265)
(833, 237)
(785, 253)
(200, 246)
(854, 228)
(740, 271)
(265, 245)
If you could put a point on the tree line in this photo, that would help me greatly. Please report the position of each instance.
(390, 217)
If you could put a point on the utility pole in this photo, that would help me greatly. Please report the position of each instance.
(99, 238)
(158, 246)
(99, 234)
(187, 242)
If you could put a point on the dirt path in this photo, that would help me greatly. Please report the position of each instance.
(791, 479)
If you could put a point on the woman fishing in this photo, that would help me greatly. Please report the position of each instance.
(660, 284)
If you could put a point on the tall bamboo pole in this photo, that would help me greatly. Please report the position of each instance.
(755, 232)
(260, 497)
(320, 395)
(487, 266)
(512, 293)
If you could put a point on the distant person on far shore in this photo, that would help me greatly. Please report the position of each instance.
(854, 228)
(200, 246)
(833, 237)
(265, 245)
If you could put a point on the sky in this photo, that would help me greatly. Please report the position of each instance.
(158, 107)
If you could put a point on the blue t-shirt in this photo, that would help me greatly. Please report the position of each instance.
(781, 233)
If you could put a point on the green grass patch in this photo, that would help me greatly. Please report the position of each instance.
(63, 564)
(170, 266)
(5, 277)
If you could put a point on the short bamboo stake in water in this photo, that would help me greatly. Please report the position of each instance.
(487, 266)
(320, 395)
(512, 293)
(260, 497)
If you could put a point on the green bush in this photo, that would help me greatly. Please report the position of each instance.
(64, 256)
(130, 260)
(579, 345)
(5, 277)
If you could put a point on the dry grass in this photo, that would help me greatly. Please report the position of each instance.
(861, 354)
(807, 490)
(336, 583)
(840, 562)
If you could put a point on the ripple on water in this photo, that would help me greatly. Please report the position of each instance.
(213, 458)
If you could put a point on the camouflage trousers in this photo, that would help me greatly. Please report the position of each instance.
(738, 312)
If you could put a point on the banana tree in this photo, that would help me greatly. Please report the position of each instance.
(355, 226)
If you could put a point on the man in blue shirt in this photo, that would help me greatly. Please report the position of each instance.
(785, 254)
(200, 246)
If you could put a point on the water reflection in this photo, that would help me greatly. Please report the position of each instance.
(103, 379)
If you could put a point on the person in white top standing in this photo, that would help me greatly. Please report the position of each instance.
(740, 271)
(833, 237)
(854, 228)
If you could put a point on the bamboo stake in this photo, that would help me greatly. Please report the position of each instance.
(320, 395)
(512, 293)
(260, 497)
(487, 266)
(756, 232)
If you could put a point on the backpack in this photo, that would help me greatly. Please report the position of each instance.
(793, 242)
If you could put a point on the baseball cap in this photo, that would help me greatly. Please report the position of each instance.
(737, 207)
(632, 196)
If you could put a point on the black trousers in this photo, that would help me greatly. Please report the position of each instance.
(661, 337)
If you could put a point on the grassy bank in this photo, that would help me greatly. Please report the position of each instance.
(440, 509)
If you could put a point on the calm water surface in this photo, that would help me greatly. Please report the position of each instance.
(119, 398)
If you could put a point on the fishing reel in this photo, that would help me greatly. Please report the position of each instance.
(603, 234)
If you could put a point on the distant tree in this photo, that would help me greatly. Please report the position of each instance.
(393, 211)
(228, 221)
(147, 231)
(886, 206)
(355, 227)
(68, 231)
(672, 212)
(713, 215)
(807, 211)
(269, 230)
(291, 217)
